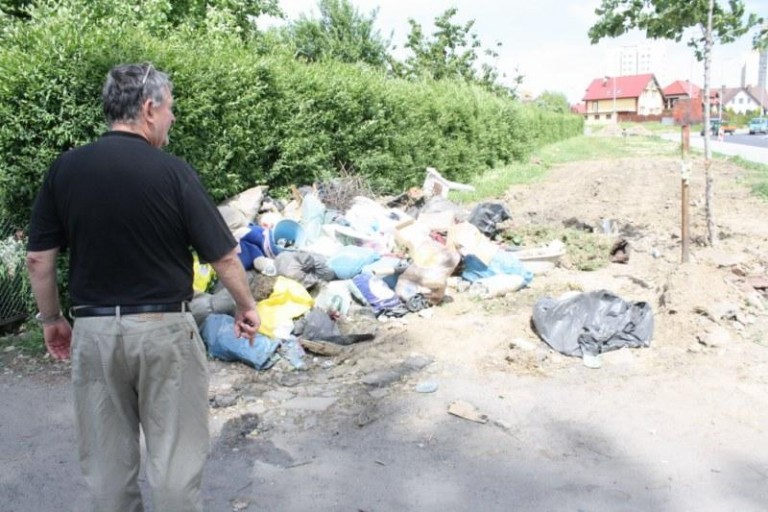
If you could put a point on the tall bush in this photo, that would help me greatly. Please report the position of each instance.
(244, 118)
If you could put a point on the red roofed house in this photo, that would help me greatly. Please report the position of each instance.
(614, 98)
(680, 90)
(685, 101)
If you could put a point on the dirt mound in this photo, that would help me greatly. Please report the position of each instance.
(707, 301)
(695, 300)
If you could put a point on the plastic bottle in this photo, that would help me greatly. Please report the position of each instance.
(312, 216)
(265, 265)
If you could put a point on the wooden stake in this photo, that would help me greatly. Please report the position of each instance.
(684, 182)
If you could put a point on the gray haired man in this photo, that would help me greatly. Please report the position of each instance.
(129, 213)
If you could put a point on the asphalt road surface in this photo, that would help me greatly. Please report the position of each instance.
(757, 140)
(749, 147)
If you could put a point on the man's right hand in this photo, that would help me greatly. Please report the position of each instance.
(247, 324)
(58, 338)
(232, 274)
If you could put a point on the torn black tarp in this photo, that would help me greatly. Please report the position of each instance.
(486, 216)
(592, 322)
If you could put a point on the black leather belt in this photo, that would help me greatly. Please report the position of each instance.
(84, 311)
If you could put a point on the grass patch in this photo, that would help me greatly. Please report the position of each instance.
(757, 176)
(651, 127)
(28, 342)
(584, 251)
(495, 182)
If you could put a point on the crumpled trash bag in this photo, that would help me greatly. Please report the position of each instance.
(437, 204)
(350, 260)
(504, 262)
(334, 297)
(204, 304)
(203, 275)
(485, 217)
(218, 332)
(373, 291)
(201, 307)
(247, 202)
(593, 322)
(317, 325)
(289, 299)
(312, 217)
(223, 302)
(305, 267)
(428, 274)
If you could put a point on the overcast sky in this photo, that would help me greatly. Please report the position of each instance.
(547, 40)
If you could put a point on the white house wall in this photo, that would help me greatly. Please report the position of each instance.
(651, 101)
(742, 102)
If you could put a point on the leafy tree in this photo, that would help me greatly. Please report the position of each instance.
(452, 52)
(553, 102)
(760, 40)
(341, 32)
(195, 12)
(670, 19)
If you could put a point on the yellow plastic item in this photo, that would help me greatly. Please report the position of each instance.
(204, 274)
(289, 299)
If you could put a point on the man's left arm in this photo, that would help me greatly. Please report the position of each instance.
(56, 329)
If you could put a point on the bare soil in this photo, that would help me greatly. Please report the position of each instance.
(677, 426)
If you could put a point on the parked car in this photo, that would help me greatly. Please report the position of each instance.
(717, 123)
(758, 125)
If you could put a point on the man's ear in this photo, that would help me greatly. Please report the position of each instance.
(146, 110)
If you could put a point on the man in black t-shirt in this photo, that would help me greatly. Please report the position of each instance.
(129, 214)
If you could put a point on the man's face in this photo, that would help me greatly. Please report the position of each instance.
(161, 118)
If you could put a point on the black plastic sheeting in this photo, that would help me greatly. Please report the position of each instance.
(486, 216)
(592, 323)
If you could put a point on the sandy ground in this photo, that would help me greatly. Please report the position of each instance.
(679, 426)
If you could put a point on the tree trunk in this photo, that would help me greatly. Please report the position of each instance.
(709, 182)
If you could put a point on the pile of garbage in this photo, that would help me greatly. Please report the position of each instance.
(324, 271)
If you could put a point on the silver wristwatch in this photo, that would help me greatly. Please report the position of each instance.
(45, 320)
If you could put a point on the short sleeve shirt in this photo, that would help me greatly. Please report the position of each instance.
(129, 214)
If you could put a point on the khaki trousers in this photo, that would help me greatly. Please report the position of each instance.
(145, 370)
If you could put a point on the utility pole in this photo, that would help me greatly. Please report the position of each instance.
(762, 72)
(613, 112)
(685, 175)
(685, 178)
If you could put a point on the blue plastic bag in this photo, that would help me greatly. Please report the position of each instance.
(350, 260)
(218, 333)
(504, 262)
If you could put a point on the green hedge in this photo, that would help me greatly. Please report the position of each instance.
(245, 118)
